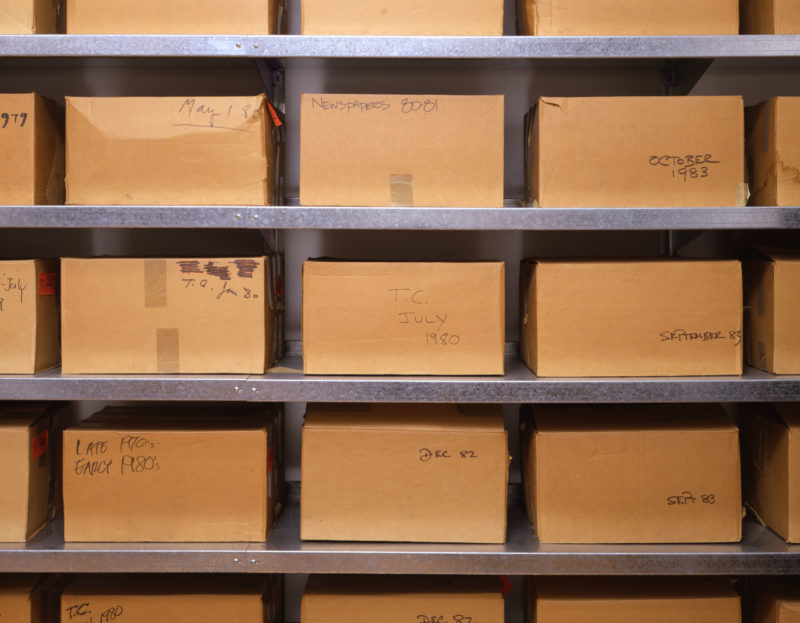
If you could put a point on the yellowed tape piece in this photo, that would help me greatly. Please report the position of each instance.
(167, 351)
(402, 189)
(155, 283)
(742, 194)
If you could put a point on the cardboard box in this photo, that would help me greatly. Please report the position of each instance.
(21, 599)
(403, 317)
(151, 462)
(773, 312)
(773, 152)
(398, 599)
(777, 601)
(422, 472)
(401, 150)
(28, 17)
(403, 17)
(632, 474)
(636, 152)
(171, 599)
(26, 472)
(174, 17)
(28, 316)
(627, 17)
(631, 318)
(770, 17)
(170, 150)
(771, 457)
(632, 600)
(32, 150)
(167, 315)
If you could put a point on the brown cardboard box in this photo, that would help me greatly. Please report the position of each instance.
(399, 599)
(192, 474)
(631, 318)
(28, 316)
(632, 474)
(770, 17)
(628, 17)
(632, 600)
(636, 152)
(25, 470)
(403, 317)
(777, 601)
(773, 151)
(31, 152)
(166, 315)
(422, 472)
(773, 312)
(771, 457)
(28, 17)
(170, 150)
(21, 599)
(173, 17)
(401, 150)
(171, 599)
(403, 17)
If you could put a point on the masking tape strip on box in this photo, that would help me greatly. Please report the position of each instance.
(155, 283)
(167, 351)
(402, 185)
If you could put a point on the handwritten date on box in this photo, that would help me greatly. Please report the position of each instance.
(84, 611)
(101, 458)
(413, 310)
(443, 618)
(684, 336)
(687, 498)
(429, 454)
(687, 167)
(13, 120)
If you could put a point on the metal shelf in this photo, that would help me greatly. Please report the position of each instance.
(487, 219)
(336, 47)
(761, 552)
(286, 383)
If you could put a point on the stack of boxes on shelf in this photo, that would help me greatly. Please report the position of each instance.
(413, 473)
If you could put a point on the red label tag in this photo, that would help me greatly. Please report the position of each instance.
(47, 284)
(505, 581)
(39, 445)
(275, 118)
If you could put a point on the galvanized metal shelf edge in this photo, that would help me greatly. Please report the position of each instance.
(761, 552)
(357, 47)
(508, 218)
(287, 383)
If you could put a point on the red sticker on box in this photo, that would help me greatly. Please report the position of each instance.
(505, 582)
(47, 284)
(39, 445)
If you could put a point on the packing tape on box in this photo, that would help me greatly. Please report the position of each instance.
(402, 185)
(155, 283)
(742, 194)
(167, 351)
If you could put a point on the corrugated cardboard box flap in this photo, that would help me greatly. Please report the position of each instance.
(410, 585)
(656, 418)
(464, 418)
(606, 588)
